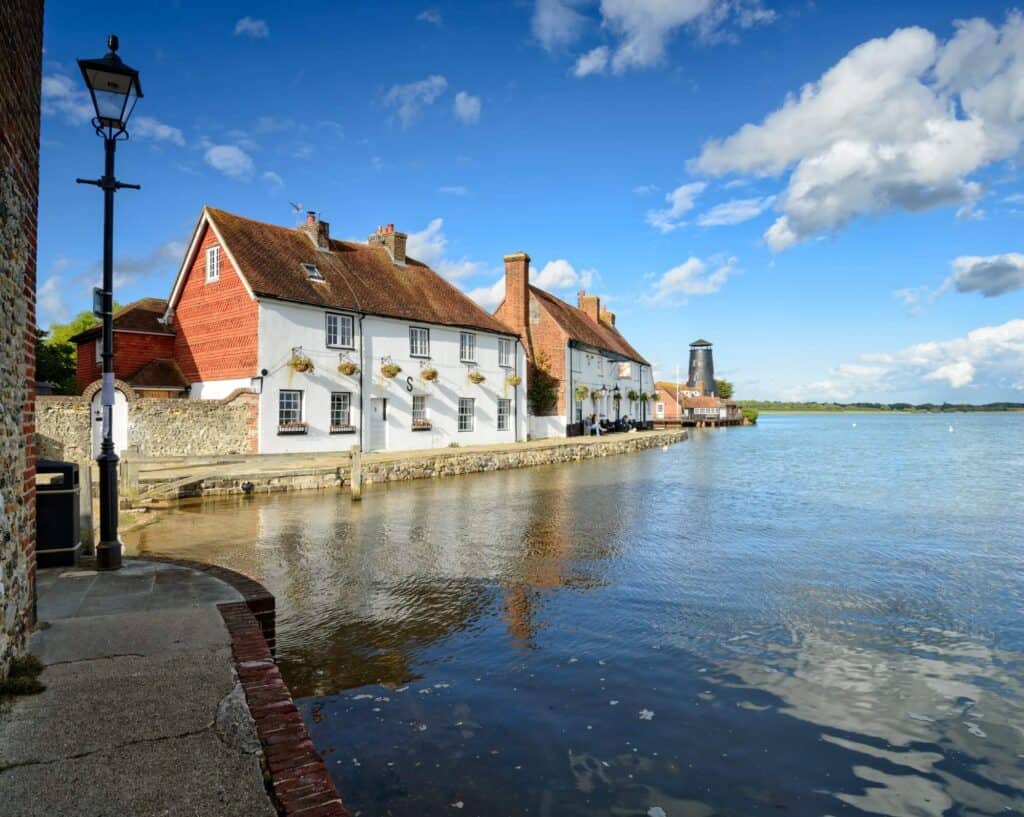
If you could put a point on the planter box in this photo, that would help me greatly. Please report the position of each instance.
(343, 429)
(293, 428)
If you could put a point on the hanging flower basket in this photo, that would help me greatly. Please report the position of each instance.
(616, 396)
(513, 380)
(348, 368)
(300, 363)
(581, 392)
(597, 394)
(644, 397)
(390, 370)
(476, 378)
(429, 374)
(633, 395)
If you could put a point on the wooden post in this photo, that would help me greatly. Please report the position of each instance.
(357, 474)
(130, 471)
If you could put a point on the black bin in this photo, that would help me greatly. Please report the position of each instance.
(58, 527)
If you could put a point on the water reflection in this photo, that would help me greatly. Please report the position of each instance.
(754, 622)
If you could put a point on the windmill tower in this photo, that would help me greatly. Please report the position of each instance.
(702, 368)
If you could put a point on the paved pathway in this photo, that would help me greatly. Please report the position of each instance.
(143, 714)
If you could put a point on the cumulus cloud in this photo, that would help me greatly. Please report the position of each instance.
(148, 127)
(62, 95)
(489, 297)
(249, 27)
(273, 180)
(467, 108)
(594, 61)
(50, 302)
(735, 212)
(693, 277)
(556, 23)
(230, 160)
(900, 122)
(991, 275)
(560, 274)
(990, 356)
(409, 99)
(680, 201)
(430, 245)
(432, 16)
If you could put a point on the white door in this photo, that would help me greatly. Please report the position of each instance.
(378, 423)
(120, 417)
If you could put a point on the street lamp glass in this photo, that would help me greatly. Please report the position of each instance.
(114, 87)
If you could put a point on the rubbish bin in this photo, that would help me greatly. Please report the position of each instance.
(58, 527)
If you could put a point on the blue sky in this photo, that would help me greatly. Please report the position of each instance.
(831, 192)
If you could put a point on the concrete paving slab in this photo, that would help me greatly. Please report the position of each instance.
(190, 776)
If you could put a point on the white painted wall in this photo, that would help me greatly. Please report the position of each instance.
(596, 371)
(217, 389)
(544, 427)
(285, 326)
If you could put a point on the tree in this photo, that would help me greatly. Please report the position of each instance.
(542, 388)
(724, 389)
(55, 353)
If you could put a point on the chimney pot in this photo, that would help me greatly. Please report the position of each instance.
(310, 217)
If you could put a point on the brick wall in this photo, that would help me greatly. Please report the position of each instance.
(132, 351)
(216, 323)
(21, 44)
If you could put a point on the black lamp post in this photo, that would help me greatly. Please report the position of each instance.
(115, 89)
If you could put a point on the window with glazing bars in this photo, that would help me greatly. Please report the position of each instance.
(419, 341)
(504, 409)
(505, 353)
(339, 331)
(466, 414)
(419, 411)
(341, 409)
(289, 407)
(467, 347)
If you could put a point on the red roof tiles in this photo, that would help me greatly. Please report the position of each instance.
(141, 316)
(579, 327)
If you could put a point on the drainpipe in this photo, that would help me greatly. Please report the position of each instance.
(515, 403)
(570, 395)
(362, 402)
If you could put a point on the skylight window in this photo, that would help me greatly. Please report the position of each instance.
(312, 272)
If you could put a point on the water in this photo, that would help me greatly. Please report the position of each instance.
(809, 617)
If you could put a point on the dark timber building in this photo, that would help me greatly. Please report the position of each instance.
(702, 368)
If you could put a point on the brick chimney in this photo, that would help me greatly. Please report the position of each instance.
(393, 242)
(608, 318)
(590, 305)
(319, 232)
(517, 290)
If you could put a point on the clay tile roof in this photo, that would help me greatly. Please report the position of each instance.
(671, 387)
(579, 327)
(161, 373)
(703, 401)
(356, 276)
(141, 316)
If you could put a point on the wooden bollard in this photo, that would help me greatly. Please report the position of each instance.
(357, 474)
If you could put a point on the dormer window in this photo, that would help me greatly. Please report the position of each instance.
(212, 264)
(312, 273)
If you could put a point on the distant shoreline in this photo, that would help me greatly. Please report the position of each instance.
(952, 410)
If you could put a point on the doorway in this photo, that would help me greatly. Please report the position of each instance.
(378, 423)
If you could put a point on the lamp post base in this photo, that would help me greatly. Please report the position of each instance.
(108, 556)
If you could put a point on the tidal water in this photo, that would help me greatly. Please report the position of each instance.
(821, 615)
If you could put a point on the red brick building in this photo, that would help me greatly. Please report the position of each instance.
(144, 350)
(682, 403)
(594, 366)
(21, 49)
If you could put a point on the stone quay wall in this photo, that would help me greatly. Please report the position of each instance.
(21, 49)
(157, 427)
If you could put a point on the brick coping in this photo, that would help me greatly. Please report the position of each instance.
(297, 779)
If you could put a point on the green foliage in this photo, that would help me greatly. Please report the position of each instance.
(750, 414)
(23, 677)
(633, 395)
(542, 388)
(55, 353)
(725, 389)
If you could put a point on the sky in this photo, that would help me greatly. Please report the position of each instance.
(831, 192)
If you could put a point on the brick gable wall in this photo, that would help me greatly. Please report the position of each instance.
(543, 338)
(21, 47)
(217, 323)
(132, 351)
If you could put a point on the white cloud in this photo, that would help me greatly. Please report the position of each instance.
(735, 211)
(1015, 198)
(62, 95)
(681, 201)
(148, 127)
(411, 98)
(560, 274)
(645, 189)
(430, 246)
(899, 123)
(467, 108)
(454, 190)
(691, 278)
(432, 16)
(989, 356)
(556, 23)
(594, 61)
(230, 160)
(489, 297)
(249, 27)
(990, 275)
(50, 302)
(273, 179)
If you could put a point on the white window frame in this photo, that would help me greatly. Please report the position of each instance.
(420, 416)
(299, 407)
(467, 418)
(213, 264)
(659, 410)
(467, 347)
(312, 272)
(99, 349)
(505, 353)
(506, 415)
(340, 321)
(424, 333)
(344, 414)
